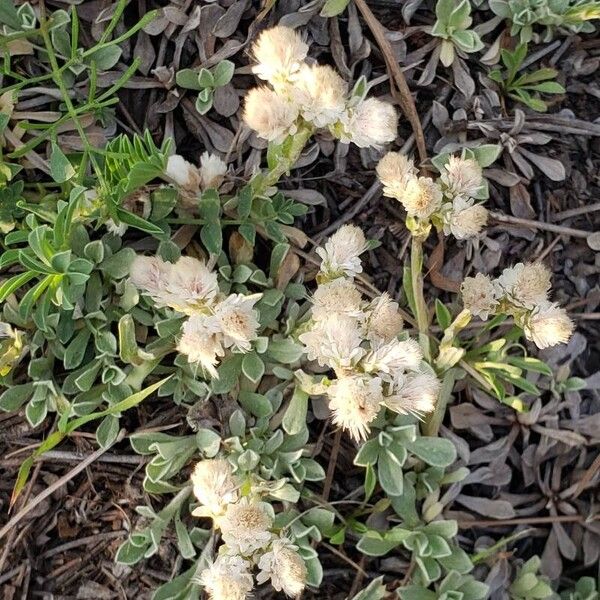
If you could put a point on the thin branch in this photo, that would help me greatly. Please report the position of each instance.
(407, 102)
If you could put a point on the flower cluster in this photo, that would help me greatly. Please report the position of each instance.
(190, 180)
(216, 322)
(448, 203)
(313, 96)
(521, 291)
(246, 526)
(359, 341)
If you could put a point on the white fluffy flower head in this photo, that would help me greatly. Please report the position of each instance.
(321, 94)
(228, 578)
(191, 285)
(334, 342)
(183, 173)
(201, 342)
(393, 357)
(238, 320)
(337, 296)
(465, 219)
(394, 171)
(548, 325)
(150, 274)
(270, 115)
(284, 567)
(526, 285)
(479, 295)
(383, 320)
(414, 394)
(214, 486)
(341, 254)
(421, 197)
(279, 53)
(245, 526)
(372, 123)
(355, 402)
(462, 176)
(212, 170)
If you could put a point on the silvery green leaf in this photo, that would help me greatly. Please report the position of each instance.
(208, 442)
(437, 452)
(389, 473)
(106, 57)
(223, 73)
(61, 169)
(188, 78)
(237, 423)
(374, 591)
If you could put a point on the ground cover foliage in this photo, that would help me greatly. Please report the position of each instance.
(299, 299)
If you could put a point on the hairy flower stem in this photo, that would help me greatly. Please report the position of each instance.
(416, 265)
(290, 153)
(432, 422)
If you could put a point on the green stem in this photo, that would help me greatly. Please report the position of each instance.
(88, 150)
(271, 177)
(421, 313)
(431, 425)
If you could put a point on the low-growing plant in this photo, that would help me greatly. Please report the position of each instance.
(452, 26)
(526, 17)
(226, 324)
(205, 82)
(525, 88)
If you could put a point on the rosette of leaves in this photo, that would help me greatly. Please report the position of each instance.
(529, 584)
(385, 455)
(527, 87)
(205, 82)
(452, 26)
(525, 15)
(455, 586)
(269, 453)
(431, 546)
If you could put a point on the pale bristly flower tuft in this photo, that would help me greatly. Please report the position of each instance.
(479, 295)
(321, 94)
(372, 123)
(383, 320)
(245, 526)
(355, 402)
(149, 274)
(526, 285)
(279, 53)
(200, 341)
(337, 296)
(465, 219)
(421, 197)
(341, 254)
(238, 320)
(228, 578)
(394, 171)
(284, 567)
(395, 356)
(414, 394)
(191, 285)
(183, 173)
(269, 115)
(212, 170)
(214, 485)
(461, 176)
(548, 325)
(334, 342)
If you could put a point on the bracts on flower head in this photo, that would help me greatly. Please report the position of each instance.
(358, 341)
(309, 96)
(522, 292)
